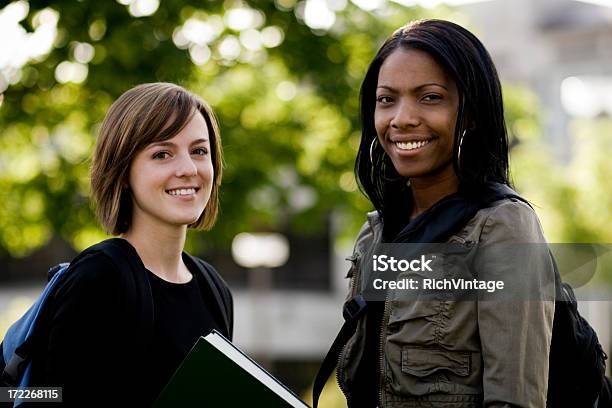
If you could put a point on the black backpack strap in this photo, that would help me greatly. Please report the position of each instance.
(134, 284)
(353, 311)
(218, 288)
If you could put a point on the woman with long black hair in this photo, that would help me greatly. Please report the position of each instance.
(433, 160)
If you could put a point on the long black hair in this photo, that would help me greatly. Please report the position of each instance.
(484, 149)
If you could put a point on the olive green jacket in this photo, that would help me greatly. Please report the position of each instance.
(450, 353)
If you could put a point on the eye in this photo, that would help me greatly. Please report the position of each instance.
(384, 99)
(161, 155)
(431, 98)
(200, 151)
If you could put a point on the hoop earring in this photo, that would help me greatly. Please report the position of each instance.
(381, 164)
(460, 144)
(372, 150)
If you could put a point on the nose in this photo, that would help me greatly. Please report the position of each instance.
(406, 115)
(185, 166)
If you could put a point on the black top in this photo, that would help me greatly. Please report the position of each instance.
(181, 317)
(96, 347)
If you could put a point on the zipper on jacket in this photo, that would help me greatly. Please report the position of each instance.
(381, 355)
(342, 389)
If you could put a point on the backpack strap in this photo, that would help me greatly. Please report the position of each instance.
(218, 288)
(352, 311)
(134, 284)
(24, 335)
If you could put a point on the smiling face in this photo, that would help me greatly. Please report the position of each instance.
(415, 115)
(171, 181)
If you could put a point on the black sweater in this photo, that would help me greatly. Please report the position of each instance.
(95, 348)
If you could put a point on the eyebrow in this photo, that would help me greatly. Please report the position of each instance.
(170, 144)
(390, 88)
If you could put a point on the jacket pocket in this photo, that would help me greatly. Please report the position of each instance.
(409, 312)
(422, 362)
(423, 371)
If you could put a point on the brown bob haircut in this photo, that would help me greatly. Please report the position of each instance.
(145, 114)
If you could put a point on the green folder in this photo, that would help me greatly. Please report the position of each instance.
(216, 373)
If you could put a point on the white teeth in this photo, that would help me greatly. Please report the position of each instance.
(182, 191)
(411, 145)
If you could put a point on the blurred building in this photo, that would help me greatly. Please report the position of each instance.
(561, 49)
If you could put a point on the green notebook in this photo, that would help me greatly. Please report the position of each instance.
(216, 373)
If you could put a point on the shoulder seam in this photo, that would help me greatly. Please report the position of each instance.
(503, 203)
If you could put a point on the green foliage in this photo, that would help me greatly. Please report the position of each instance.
(573, 200)
(288, 112)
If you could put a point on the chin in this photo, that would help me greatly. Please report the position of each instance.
(191, 220)
(186, 219)
(409, 171)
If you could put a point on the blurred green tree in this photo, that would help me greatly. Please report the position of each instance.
(283, 77)
(285, 93)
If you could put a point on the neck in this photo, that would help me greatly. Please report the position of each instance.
(160, 248)
(426, 191)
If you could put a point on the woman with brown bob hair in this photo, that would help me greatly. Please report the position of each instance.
(130, 308)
